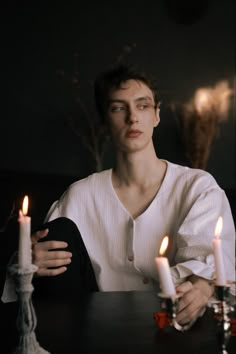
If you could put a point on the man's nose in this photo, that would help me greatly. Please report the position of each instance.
(132, 116)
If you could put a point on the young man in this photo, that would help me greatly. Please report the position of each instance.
(123, 213)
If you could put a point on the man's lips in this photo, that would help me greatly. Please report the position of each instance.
(134, 133)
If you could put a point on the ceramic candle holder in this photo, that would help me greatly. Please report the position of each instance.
(26, 320)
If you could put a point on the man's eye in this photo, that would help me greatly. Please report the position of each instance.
(117, 109)
(143, 106)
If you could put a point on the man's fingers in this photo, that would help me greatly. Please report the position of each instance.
(190, 301)
(58, 255)
(50, 245)
(43, 257)
(53, 263)
(49, 256)
(45, 272)
(38, 235)
(189, 312)
(184, 287)
(190, 305)
(186, 316)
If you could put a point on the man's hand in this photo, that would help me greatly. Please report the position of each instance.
(195, 295)
(48, 255)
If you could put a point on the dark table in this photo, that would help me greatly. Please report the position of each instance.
(112, 322)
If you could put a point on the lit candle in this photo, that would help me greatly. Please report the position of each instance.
(218, 255)
(163, 268)
(24, 249)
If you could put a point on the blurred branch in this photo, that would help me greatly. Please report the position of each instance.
(83, 121)
(11, 216)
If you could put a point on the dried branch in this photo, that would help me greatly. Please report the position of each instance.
(93, 134)
(11, 216)
(198, 121)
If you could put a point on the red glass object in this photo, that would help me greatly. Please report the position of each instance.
(233, 327)
(162, 319)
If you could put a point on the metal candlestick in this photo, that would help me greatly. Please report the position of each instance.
(26, 319)
(224, 315)
(169, 304)
(222, 310)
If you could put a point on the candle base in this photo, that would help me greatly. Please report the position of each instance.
(169, 306)
(26, 320)
(222, 311)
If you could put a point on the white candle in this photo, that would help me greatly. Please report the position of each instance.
(163, 268)
(218, 255)
(24, 249)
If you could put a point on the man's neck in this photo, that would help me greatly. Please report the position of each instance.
(138, 170)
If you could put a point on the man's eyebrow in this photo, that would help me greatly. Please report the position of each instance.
(145, 98)
(116, 101)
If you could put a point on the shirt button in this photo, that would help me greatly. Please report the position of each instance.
(130, 258)
(145, 280)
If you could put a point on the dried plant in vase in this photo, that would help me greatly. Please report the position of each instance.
(198, 121)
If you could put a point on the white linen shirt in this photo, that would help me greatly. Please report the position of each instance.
(123, 249)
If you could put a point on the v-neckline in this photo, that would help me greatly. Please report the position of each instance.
(153, 200)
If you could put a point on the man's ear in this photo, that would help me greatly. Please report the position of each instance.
(157, 116)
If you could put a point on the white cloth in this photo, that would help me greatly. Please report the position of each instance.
(122, 249)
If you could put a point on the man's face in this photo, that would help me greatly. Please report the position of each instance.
(132, 116)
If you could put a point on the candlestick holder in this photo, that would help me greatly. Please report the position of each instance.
(222, 314)
(166, 319)
(26, 319)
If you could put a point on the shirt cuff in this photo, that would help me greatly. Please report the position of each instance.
(9, 290)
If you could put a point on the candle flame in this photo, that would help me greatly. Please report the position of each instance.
(219, 226)
(164, 245)
(25, 205)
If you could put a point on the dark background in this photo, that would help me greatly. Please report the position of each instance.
(183, 44)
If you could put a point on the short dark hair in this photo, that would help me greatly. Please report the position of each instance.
(112, 79)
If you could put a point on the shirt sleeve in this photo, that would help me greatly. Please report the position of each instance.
(9, 289)
(194, 238)
(66, 206)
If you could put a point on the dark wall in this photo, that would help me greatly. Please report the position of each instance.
(183, 44)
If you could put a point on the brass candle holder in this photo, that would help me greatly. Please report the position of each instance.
(26, 320)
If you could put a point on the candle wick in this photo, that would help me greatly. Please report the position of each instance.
(20, 215)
